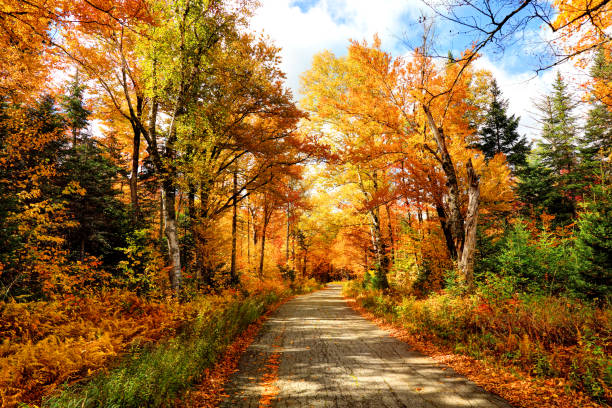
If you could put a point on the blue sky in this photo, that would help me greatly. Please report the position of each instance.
(304, 27)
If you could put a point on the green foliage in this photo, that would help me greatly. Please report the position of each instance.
(594, 246)
(287, 272)
(542, 264)
(103, 219)
(499, 134)
(375, 279)
(538, 190)
(74, 108)
(558, 148)
(139, 268)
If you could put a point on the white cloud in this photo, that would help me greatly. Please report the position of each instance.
(328, 25)
(302, 32)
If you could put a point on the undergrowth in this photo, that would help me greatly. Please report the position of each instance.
(549, 337)
(136, 354)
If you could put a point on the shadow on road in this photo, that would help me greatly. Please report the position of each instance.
(332, 357)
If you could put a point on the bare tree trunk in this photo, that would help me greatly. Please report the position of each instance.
(467, 256)
(365, 255)
(390, 231)
(135, 162)
(233, 275)
(304, 262)
(174, 252)
(448, 236)
(161, 214)
(455, 218)
(248, 234)
(287, 239)
(263, 249)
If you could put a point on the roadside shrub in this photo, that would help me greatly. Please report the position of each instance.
(540, 264)
(547, 336)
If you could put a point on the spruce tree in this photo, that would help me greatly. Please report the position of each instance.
(557, 150)
(100, 215)
(74, 108)
(596, 143)
(499, 134)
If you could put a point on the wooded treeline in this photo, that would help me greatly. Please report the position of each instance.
(174, 119)
(157, 177)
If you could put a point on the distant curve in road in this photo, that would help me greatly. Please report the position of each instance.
(315, 351)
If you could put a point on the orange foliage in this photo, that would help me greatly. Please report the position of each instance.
(49, 343)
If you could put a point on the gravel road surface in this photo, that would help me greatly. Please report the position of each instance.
(315, 351)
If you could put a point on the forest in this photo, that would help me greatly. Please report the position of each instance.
(162, 188)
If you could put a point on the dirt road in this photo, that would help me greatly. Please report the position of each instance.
(315, 351)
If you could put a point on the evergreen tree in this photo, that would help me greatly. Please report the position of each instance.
(536, 190)
(594, 244)
(101, 216)
(596, 143)
(498, 133)
(74, 108)
(557, 150)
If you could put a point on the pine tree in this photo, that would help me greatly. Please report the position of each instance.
(498, 133)
(594, 246)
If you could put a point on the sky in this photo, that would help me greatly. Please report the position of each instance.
(303, 28)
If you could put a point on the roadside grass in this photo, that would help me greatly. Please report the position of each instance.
(546, 337)
(155, 374)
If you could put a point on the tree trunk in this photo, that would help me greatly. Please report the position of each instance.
(390, 231)
(161, 214)
(455, 218)
(233, 275)
(263, 248)
(134, 176)
(135, 162)
(287, 238)
(448, 235)
(248, 235)
(467, 256)
(174, 252)
(380, 249)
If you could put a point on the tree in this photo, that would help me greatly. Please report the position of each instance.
(102, 218)
(595, 145)
(557, 150)
(74, 108)
(33, 219)
(593, 244)
(576, 27)
(402, 126)
(558, 147)
(498, 133)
